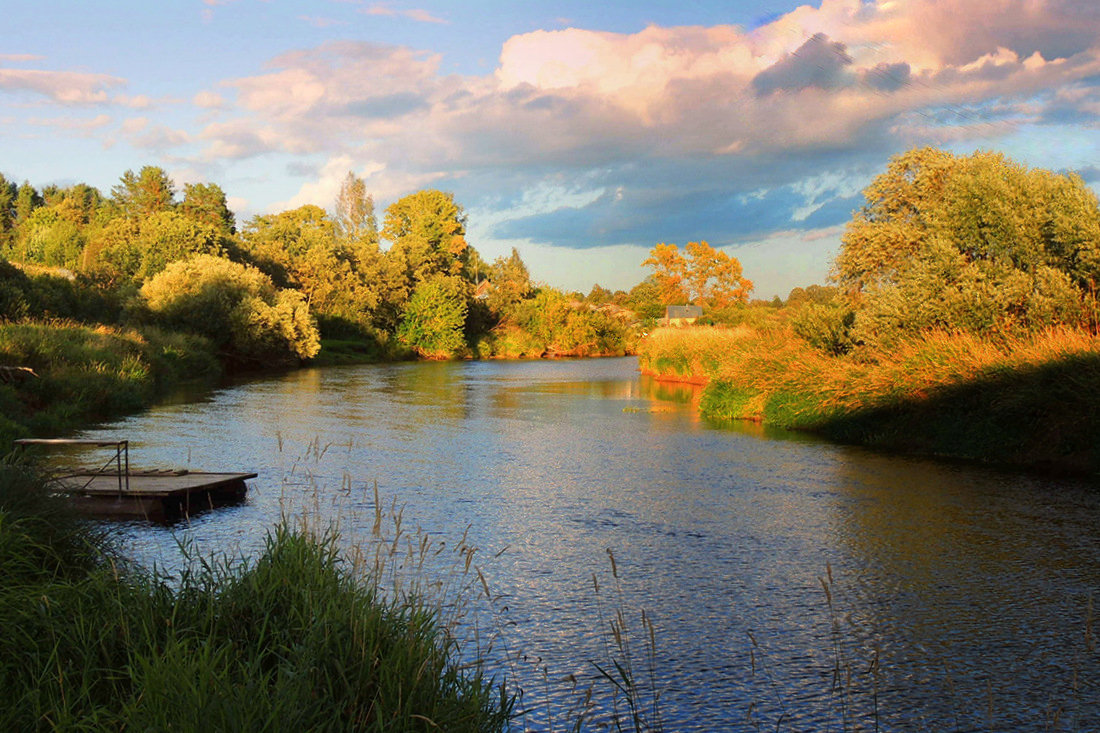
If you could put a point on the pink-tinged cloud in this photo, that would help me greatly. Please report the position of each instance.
(72, 124)
(680, 112)
(64, 87)
(19, 58)
(320, 22)
(208, 100)
(388, 11)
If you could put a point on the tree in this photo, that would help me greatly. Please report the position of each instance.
(509, 283)
(645, 299)
(706, 276)
(206, 203)
(889, 229)
(148, 192)
(8, 193)
(79, 204)
(27, 199)
(47, 238)
(427, 231)
(137, 249)
(668, 273)
(300, 249)
(435, 315)
(355, 220)
(973, 242)
(599, 295)
(236, 306)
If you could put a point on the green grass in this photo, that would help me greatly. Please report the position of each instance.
(1030, 401)
(302, 638)
(90, 373)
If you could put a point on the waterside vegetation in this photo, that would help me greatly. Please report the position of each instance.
(303, 637)
(963, 322)
(107, 302)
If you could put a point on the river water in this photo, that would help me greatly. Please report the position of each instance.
(792, 584)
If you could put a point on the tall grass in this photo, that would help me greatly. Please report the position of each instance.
(88, 373)
(1030, 399)
(302, 638)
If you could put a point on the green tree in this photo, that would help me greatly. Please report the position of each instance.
(645, 299)
(300, 249)
(509, 283)
(236, 306)
(890, 228)
(137, 249)
(147, 192)
(435, 316)
(206, 203)
(80, 204)
(27, 199)
(48, 238)
(427, 232)
(973, 242)
(8, 194)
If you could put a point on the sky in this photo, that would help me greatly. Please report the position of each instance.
(581, 133)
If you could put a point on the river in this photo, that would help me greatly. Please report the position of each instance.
(792, 584)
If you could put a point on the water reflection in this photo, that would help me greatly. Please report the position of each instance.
(718, 533)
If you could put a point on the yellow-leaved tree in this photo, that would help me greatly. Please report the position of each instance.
(701, 275)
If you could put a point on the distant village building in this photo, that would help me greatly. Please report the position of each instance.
(682, 315)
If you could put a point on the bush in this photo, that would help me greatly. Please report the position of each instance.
(237, 307)
(435, 316)
(826, 327)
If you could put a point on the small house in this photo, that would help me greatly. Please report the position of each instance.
(682, 315)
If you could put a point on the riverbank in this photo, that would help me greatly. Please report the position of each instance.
(1029, 401)
(300, 638)
(66, 375)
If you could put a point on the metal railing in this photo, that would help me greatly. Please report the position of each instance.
(121, 459)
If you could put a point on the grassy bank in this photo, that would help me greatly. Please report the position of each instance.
(82, 373)
(299, 639)
(1029, 400)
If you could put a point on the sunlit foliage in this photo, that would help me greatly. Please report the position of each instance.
(701, 275)
(434, 317)
(236, 306)
(975, 242)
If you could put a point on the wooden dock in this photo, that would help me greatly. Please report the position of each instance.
(157, 495)
(153, 494)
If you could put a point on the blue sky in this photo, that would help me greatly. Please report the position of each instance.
(580, 133)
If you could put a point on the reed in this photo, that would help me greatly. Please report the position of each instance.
(1025, 399)
(304, 637)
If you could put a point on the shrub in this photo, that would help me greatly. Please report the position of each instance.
(827, 327)
(236, 306)
(435, 316)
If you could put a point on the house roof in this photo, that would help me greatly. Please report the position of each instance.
(683, 311)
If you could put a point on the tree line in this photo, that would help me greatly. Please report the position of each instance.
(274, 286)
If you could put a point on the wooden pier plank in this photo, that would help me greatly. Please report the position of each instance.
(151, 485)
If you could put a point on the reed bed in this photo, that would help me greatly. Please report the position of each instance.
(1021, 399)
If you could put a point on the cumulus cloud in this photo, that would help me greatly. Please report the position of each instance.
(585, 138)
(819, 63)
(208, 100)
